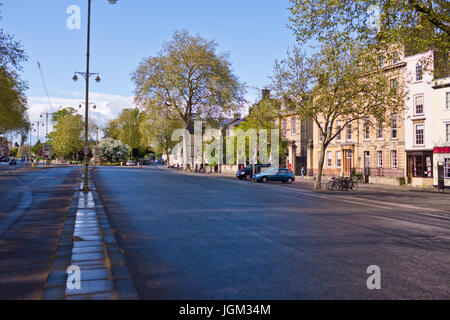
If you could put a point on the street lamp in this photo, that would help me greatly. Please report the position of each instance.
(86, 76)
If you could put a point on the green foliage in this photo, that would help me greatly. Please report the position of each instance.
(67, 140)
(422, 24)
(13, 152)
(13, 103)
(188, 77)
(112, 129)
(156, 130)
(262, 116)
(37, 149)
(128, 128)
(61, 113)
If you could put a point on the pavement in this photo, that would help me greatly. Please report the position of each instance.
(189, 236)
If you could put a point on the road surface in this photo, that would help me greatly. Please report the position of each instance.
(34, 203)
(196, 237)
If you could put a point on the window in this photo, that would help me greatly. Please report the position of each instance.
(447, 100)
(447, 168)
(419, 72)
(419, 133)
(339, 125)
(293, 126)
(380, 61)
(329, 160)
(394, 127)
(380, 131)
(367, 129)
(284, 126)
(418, 105)
(447, 132)
(395, 57)
(320, 131)
(338, 159)
(394, 85)
(349, 132)
(394, 159)
(380, 159)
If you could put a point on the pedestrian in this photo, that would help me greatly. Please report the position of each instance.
(302, 172)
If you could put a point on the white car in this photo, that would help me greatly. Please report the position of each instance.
(130, 163)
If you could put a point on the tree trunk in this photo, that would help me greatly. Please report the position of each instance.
(318, 182)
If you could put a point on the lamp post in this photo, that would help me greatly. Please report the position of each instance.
(87, 75)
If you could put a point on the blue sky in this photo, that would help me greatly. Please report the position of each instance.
(253, 32)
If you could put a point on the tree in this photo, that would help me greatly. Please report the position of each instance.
(128, 128)
(424, 24)
(112, 130)
(262, 116)
(188, 77)
(113, 150)
(158, 129)
(341, 82)
(67, 139)
(13, 102)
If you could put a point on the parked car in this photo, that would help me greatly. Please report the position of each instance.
(4, 159)
(130, 163)
(247, 172)
(275, 174)
(12, 162)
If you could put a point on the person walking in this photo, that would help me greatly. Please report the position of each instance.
(302, 172)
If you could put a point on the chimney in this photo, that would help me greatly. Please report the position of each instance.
(266, 94)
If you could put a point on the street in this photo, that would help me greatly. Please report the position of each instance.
(34, 204)
(196, 237)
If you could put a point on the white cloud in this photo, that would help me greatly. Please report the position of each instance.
(109, 107)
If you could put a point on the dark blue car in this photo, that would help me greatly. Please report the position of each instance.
(275, 174)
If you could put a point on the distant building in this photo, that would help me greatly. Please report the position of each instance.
(441, 129)
(420, 119)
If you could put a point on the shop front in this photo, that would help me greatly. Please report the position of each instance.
(420, 168)
(441, 157)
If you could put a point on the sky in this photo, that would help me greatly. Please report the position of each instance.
(253, 32)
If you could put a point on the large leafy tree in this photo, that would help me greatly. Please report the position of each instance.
(340, 82)
(67, 138)
(13, 102)
(188, 76)
(128, 128)
(422, 24)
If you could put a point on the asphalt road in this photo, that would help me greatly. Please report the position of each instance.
(33, 206)
(196, 237)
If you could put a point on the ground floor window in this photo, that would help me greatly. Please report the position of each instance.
(394, 159)
(447, 168)
(380, 159)
(329, 160)
(338, 159)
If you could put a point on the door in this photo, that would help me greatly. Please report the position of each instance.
(348, 162)
(366, 166)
